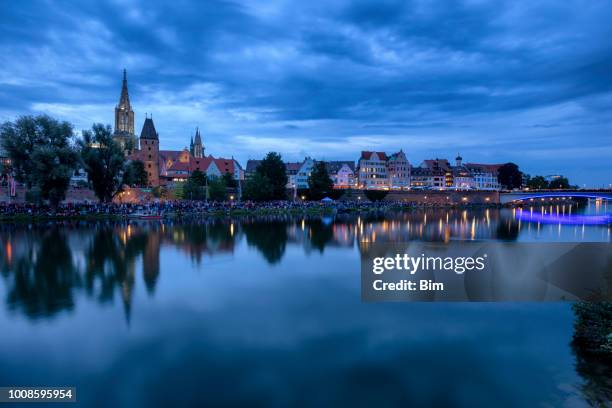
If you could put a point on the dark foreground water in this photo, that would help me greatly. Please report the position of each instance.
(267, 312)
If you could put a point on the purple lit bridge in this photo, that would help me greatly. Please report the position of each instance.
(530, 196)
(559, 196)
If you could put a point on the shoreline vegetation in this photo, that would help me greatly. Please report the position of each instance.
(187, 209)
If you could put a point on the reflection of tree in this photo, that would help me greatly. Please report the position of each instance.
(320, 233)
(110, 263)
(269, 237)
(44, 280)
(592, 345)
(200, 238)
(507, 230)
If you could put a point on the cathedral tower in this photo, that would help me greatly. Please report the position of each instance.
(124, 118)
(198, 149)
(149, 151)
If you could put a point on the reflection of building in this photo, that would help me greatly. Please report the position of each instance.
(163, 166)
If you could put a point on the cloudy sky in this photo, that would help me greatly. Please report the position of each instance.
(522, 81)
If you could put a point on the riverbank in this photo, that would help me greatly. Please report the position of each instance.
(186, 209)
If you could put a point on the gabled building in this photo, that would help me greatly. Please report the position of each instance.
(373, 170)
(342, 173)
(437, 166)
(398, 171)
(164, 166)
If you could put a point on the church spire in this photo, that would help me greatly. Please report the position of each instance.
(124, 100)
(124, 117)
(198, 149)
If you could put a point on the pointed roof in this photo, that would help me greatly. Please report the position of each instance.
(148, 130)
(124, 99)
(198, 139)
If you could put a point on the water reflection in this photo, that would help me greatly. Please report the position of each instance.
(44, 265)
(51, 272)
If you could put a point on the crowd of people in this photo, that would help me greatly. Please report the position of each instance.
(183, 207)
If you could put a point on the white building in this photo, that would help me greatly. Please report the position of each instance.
(398, 171)
(373, 170)
(484, 176)
(342, 173)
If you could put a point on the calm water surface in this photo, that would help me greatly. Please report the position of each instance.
(267, 312)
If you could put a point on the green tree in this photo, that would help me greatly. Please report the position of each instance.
(273, 169)
(257, 188)
(320, 183)
(376, 195)
(195, 186)
(42, 154)
(135, 174)
(198, 178)
(560, 182)
(509, 176)
(229, 180)
(104, 161)
(537, 183)
(216, 189)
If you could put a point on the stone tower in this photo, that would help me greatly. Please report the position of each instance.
(149, 151)
(198, 148)
(124, 118)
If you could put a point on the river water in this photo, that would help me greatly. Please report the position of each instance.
(267, 312)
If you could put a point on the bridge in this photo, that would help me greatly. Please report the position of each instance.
(513, 196)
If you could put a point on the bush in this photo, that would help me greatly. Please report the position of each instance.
(376, 195)
(593, 327)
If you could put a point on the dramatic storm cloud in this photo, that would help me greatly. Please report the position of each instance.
(522, 81)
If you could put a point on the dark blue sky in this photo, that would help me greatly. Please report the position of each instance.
(522, 81)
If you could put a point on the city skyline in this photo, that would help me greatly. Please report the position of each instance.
(523, 83)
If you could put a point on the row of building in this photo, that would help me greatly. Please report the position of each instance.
(380, 171)
(373, 170)
(165, 167)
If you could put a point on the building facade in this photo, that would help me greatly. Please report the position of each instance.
(373, 170)
(124, 119)
(165, 166)
(342, 173)
(398, 171)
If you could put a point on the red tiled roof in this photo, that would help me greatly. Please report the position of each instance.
(366, 155)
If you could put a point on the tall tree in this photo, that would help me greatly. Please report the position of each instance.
(560, 182)
(273, 168)
(42, 154)
(195, 186)
(216, 189)
(104, 161)
(229, 180)
(537, 183)
(257, 188)
(509, 176)
(319, 181)
(135, 174)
